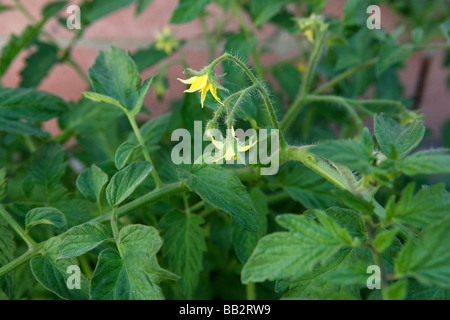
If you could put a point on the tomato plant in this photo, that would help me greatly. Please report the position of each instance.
(330, 195)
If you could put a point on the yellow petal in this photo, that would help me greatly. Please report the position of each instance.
(214, 93)
(217, 144)
(187, 81)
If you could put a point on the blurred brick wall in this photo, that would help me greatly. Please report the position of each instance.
(124, 29)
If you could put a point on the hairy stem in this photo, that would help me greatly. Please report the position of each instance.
(295, 109)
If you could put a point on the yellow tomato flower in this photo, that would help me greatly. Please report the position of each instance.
(231, 146)
(201, 83)
(165, 41)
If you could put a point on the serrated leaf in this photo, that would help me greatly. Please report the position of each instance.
(425, 162)
(290, 255)
(134, 274)
(47, 165)
(83, 238)
(184, 244)
(350, 153)
(244, 241)
(223, 189)
(391, 54)
(427, 259)
(45, 215)
(115, 79)
(426, 206)
(7, 247)
(188, 10)
(124, 182)
(91, 183)
(395, 139)
(53, 274)
(31, 104)
(21, 127)
(38, 65)
(16, 44)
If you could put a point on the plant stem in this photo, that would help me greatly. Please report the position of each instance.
(157, 194)
(377, 257)
(316, 164)
(24, 258)
(250, 291)
(295, 109)
(345, 75)
(17, 228)
(115, 229)
(248, 34)
(147, 157)
(152, 196)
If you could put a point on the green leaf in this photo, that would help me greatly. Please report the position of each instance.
(3, 183)
(134, 274)
(87, 116)
(153, 130)
(7, 247)
(396, 291)
(31, 104)
(384, 239)
(16, 44)
(426, 206)
(188, 10)
(45, 215)
(427, 259)
(124, 182)
(17, 126)
(145, 58)
(83, 238)
(244, 241)
(349, 153)
(306, 186)
(445, 28)
(91, 183)
(115, 78)
(141, 5)
(290, 255)
(102, 98)
(396, 139)
(124, 152)
(262, 11)
(53, 274)
(38, 65)
(390, 54)
(184, 244)
(285, 74)
(223, 189)
(94, 10)
(425, 162)
(47, 165)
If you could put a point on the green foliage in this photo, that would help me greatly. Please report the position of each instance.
(103, 196)
(184, 246)
(223, 189)
(124, 182)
